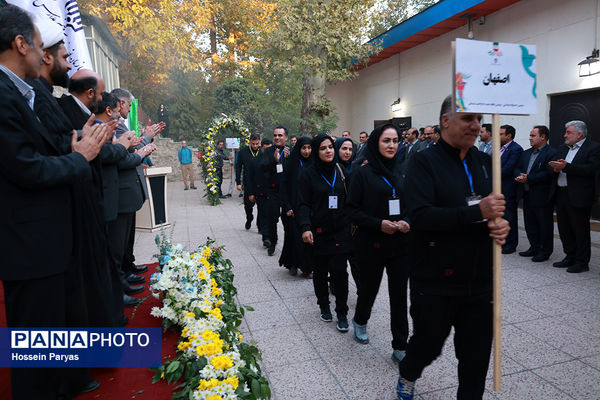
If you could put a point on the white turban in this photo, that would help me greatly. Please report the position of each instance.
(51, 32)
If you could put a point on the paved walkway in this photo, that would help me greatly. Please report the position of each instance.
(551, 329)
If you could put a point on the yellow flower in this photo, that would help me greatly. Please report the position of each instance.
(190, 314)
(206, 252)
(184, 332)
(233, 381)
(201, 274)
(240, 336)
(204, 384)
(216, 312)
(214, 397)
(216, 291)
(183, 346)
(162, 375)
(208, 349)
(219, 303)
(221, 362)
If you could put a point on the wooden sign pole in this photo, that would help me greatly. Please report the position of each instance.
(497, 188)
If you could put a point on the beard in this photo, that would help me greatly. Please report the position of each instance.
(60, 77)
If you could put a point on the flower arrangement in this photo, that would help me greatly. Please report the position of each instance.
(209, 155)
(198, 298)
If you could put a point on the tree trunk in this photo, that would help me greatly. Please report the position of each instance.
(313, 89)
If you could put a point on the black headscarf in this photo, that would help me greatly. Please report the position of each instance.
(347, 165)
(381, 165)
(324, 168)
(295, 158)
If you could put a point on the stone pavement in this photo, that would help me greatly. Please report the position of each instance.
(551, 328)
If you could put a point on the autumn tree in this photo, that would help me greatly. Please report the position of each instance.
(388, 13)
(322, 39)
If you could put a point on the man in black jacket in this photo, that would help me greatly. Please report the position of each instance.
(35, 206)
(448, 195)
(247, 156)
(575, 168)
(267, 177)
(535, 181)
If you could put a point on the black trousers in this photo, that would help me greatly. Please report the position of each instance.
(573, 228)
(128, 257)
(372, 264)
(220, 177)
(510, 214)
(248, 206)
(334, 266)
(119, 232)
(268, 212)
(433, 317)
(49, 302)
(539, 226)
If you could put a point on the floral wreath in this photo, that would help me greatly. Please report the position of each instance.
(209, 154)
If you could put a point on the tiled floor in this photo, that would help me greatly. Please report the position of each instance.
(551, 328)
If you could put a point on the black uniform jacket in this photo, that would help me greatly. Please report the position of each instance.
(368, 204)
(35, 207)
(451, 253)
(330, 227)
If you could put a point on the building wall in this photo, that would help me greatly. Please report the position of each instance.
(104, 61)
(563, 32)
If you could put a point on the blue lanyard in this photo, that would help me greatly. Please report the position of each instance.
(390, 185)
(331, 184)
(302, 165)
(469, 176)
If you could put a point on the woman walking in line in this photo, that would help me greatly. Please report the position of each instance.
(375, 205)
(294, 255)
(324, 226)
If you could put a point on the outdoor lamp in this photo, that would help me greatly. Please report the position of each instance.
(396, 105)
(591, 64)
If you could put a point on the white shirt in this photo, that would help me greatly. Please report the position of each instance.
(80, 104)
(562, 177)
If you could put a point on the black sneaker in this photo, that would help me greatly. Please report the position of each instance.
(342, 324)
(266, 243)
(326, 315)
(248, 224)
(271, 250)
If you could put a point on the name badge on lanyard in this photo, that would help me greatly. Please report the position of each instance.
(333, 202)
(394, 202)
(279, 168)
(333, 199)
(394, 206)
(473, 199)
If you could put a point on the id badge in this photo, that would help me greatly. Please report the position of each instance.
(333, 203)
(473, 200)
(394, 206)
(279, 168)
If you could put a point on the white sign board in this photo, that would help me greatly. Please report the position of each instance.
(232, 143)
(494, 78)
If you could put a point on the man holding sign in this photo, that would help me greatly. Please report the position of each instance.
(453, 215)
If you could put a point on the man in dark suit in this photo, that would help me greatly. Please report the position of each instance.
(246, 157)
(575, 167)
(510, 153)
(36, 232)
(534, 184)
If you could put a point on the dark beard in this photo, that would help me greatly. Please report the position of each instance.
(59, 77)
(93, 107)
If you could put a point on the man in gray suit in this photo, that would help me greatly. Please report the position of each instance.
(413, 145)
(485, 135)
(132, 194)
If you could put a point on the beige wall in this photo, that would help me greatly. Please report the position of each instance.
(562, 30)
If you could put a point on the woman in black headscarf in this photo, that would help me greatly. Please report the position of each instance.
(375, 204)
(344, 154)
(324, 226)
(293, 256)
